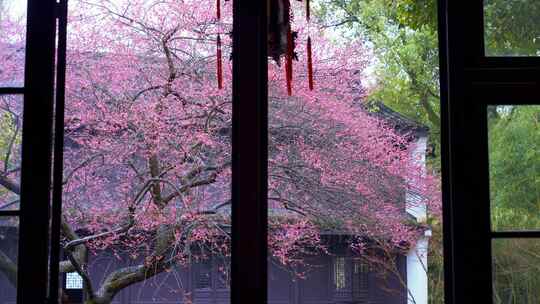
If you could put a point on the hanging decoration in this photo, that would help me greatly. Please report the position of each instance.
(281, 40)
(219, 63)
(308, 11)
(219, 60)
(310, 64)
(288, 61)
(309, 52)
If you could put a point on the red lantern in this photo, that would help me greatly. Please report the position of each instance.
(281, 40)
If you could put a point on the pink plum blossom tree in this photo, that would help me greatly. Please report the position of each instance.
(147, 149)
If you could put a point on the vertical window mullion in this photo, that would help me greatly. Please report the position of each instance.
(445, 155)
(58, 159)
(249, 153)
(464, 158)
(36, 153)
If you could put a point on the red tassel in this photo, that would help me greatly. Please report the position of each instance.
(218, 9)
(310, 64)
(289, 80)
(219, 64)
(288, 64)
(308, 11)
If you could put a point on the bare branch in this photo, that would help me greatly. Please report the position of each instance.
(82, 165)
(8, 268)
(10, 184)
(11, 142)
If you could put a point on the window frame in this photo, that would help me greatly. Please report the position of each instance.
(471, 81)
(38, 92)
(249, 265)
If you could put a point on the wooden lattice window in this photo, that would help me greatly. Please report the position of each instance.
(340, 276)
(360, 281)
(73, 281)
(204, 275)
(213, 273)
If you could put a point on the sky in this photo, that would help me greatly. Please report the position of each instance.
(15, 7)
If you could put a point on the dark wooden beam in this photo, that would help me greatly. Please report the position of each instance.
(249, 153)
(36, 153)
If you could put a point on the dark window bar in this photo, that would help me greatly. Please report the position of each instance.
(249, 153)
(11, 91)
(445, 155)
(33, 267)
(10, 212)
(522, 234)
(58, 163)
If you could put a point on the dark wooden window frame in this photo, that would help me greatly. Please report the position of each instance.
(38, 106)
(469, 83)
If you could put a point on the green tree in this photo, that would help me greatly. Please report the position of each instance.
(514, 152)
(403, 36)
(516, 263)
(512, 27)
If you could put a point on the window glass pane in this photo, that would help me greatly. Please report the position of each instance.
(9, 241)
(360, 280)
(511, 27)
(147, 147)
(12, 42)
(516, 275)
(10, 150)
(353, 168)
(514, 165)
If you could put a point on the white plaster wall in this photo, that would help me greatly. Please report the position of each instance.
(417, 280)
(418, 155)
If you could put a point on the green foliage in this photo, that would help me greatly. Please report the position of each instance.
(403, 35)
(7, 130)
(417, 13)
(8, 143)
(516, 265)
(512, 27)
(514, 153)
(436, 265)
